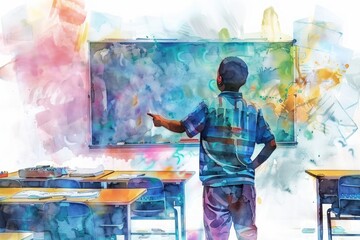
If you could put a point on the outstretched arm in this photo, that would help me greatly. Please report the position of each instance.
(172, 125)
(264, 154)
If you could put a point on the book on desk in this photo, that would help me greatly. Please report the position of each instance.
(127, 176)
(33, 194)
(87, 172)
(44, 171)
(4, 174)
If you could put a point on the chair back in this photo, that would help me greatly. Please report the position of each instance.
(62, 183)
(349, 194)
(10, 183)
(153, 201)
(19, 217)
(69, 220)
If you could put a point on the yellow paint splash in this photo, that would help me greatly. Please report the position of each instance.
(138, 121)
(270, 27)
(224, 34)
(82, 36)
(135, 100)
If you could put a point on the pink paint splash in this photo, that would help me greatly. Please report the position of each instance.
(53, 75)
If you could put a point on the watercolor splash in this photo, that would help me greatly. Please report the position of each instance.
(46, 62)
(52, 70)
(321, 63)
(50, 63)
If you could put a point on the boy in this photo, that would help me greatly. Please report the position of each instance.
(229, 128)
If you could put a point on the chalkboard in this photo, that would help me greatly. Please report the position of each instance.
(132, 78)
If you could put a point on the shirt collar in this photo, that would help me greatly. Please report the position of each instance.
(231, 94)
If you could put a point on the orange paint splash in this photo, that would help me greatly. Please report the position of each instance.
(138, 121)
(326, 74)
(71, 11)
(135, 101)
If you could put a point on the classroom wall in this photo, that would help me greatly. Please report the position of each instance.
(44, 85)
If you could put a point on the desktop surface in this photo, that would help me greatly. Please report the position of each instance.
(16, 235)
(15, 175)
(105, 197)
(329, 173)
(165, 176)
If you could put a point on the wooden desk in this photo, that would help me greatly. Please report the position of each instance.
(86, 182)
(174, 186)
(117, 197)
(16, 236)
(165, 176)
(326, 188)
(38, 182)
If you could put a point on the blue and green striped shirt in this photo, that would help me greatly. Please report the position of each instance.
(229, 127)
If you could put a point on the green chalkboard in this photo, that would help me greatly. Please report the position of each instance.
(131, 78)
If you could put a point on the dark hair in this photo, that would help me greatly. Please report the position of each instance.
(234, 72)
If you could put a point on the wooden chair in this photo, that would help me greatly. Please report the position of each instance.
(348, 205)
(68, 220)
(19, 218)
(6, 210)
(152, 205)
(62, 183)
(10, 183)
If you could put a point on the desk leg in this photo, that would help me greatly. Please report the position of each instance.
(175, 195)
(319, 212)
(182, 212)
(104, 185)
(127, 229)
(327, 194)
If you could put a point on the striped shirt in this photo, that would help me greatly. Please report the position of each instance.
(229, 128)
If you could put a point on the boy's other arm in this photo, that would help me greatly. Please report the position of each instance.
(264, 154)
(172, 125)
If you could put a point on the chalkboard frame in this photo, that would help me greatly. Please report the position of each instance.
(93, 67)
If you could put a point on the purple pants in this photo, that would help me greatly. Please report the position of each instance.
(226, 205)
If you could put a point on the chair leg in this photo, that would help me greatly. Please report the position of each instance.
(328, 216)
(177, 225)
